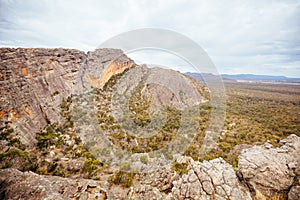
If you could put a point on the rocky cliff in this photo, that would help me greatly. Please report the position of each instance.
(64, 93)
(34, 82)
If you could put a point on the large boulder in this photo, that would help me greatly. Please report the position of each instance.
(213, 179)
(272, 172)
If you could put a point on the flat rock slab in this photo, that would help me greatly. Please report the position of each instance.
(28, 185)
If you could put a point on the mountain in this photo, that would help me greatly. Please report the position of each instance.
(96, 125)
(252, 77)
(36, 82)
(244, 77)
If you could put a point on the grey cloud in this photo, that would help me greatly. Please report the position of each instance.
(239, 35)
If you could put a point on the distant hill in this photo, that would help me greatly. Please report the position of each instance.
(253, 77)
(245, 77)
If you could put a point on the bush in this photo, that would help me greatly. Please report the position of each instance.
(46, 139)
(55, 93)
(144, 159)
(180, 168)
(90, 166)
(51, 167)
(123, 178)
(18, 159)
(4, 135)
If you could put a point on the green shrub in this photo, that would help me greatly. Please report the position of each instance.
(15, 141)
(14, 153)
(123, 178)
(55, 93)
(51, 167)
(4, 135)
(225, 146)
(46, 139)
(18, 159)
(144, 159)
(90, 165)
(180, 168)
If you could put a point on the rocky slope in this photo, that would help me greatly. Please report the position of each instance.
(34, 82)
(264, 172)
(56, 94)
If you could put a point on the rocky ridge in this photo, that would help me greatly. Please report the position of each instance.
(34, 82)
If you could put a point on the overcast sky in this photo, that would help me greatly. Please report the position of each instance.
(255, 36)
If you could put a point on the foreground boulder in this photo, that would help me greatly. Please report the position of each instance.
(272, 172)
(264, 172)
(213, 179)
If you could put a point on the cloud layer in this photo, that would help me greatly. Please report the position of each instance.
(253, 36)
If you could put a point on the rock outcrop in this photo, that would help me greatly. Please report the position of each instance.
(28, 185)
(34, 83)
(271, 172)
(264, 172)
(214, 179)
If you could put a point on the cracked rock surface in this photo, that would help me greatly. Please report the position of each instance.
(214, 179)
(28, 185)
(272, 171)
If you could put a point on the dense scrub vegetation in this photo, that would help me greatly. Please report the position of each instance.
(139, 105)
(257, 113)
(59, 150)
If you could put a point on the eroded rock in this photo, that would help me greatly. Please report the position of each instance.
(271, 171)
(34, 82)
(28, 185)
(213, 179)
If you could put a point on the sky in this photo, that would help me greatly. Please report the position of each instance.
(254, 36)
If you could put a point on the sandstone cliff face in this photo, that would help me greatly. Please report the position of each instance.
(34, 83)
(102, 64)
